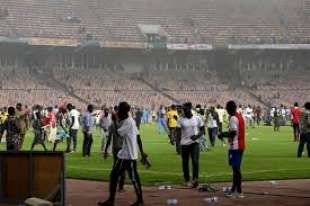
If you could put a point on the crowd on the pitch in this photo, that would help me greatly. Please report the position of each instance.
(61, 123)
(185, 125)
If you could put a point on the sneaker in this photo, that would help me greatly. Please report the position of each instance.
(230, 194)
(240, 195)
(187, 184)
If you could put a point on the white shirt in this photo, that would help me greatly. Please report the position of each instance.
(283, 112)
(105, 122)
(221, 113)
(211, 122)
(75, 115)
(234, 126)
(128, 131)
(189, 127)
(55, 110)
(249, 112)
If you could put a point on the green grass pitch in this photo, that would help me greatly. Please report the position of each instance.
(269, 155)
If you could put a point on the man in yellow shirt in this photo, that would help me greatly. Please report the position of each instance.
(172, 119)
(3, 116)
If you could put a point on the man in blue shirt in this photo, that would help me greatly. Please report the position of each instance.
(88, 124)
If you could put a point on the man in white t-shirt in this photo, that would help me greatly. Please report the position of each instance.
(127, 156)
(73, 127)
(105, 122)
(189, 129)
(212, 120)
(221, 113)
(249, 115)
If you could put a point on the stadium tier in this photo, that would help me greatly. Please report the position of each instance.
(193, 22)
(154, 52)
(150, 89)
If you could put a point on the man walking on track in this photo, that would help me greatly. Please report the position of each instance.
(127, 156)
(236, 139)
(190, 128)
(117, 143)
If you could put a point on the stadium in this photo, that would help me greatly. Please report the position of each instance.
(154, 54)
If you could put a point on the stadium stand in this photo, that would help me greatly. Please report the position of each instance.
(209, 21)
(153, 52)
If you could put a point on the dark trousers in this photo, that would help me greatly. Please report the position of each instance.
(220, 130)
(276, 123)
(73, 138)
(192, 151)
(296, 132)
(120, 167)
(172, 134)
(220, 127)
(41, 143)
(123, 175)
(212, 134)
(258, 119)
(235, 160)
(237, 178)
(304, 139)
(174, 139)
(87, 143)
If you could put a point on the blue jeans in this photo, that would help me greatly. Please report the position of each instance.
(161, 125)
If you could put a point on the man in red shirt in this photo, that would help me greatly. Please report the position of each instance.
(295, 116)
(50, 123)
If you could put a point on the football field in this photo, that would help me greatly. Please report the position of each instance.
(269, 155)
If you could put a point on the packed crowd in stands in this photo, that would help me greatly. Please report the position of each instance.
(283, 91)
(150, 90)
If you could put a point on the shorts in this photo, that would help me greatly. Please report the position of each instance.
(235, 158)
